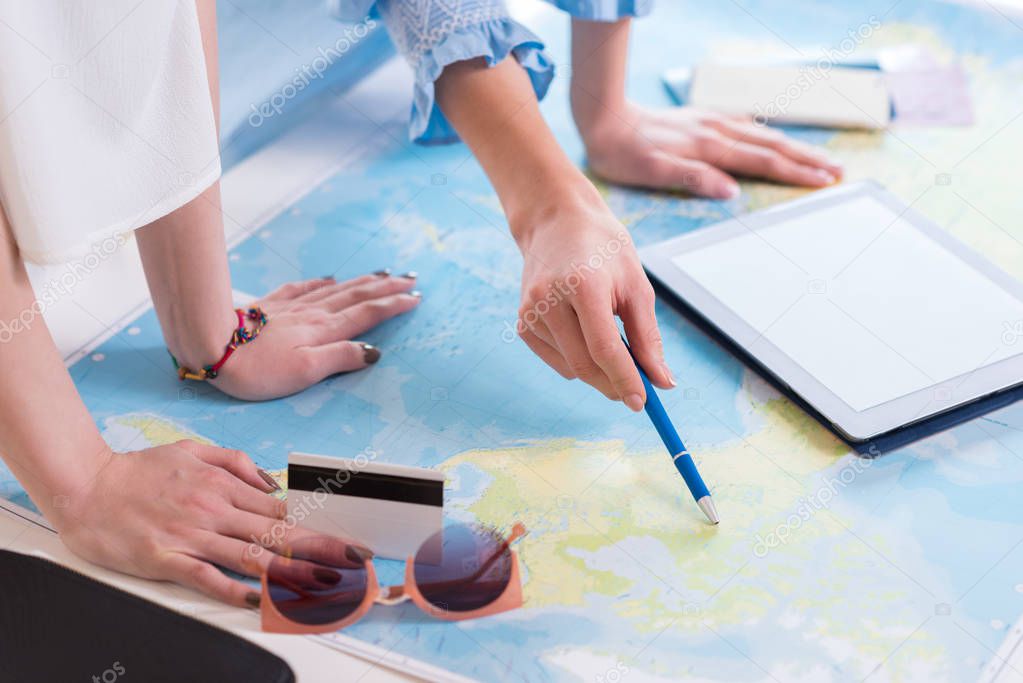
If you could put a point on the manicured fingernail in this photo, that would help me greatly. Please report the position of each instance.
(635, 402)
(328, 277)
(252, 599)
(327, 576)
(270, 481)
(732, 191)
(357, 553)
(416, 293)
(382, 273)
(825, 176)
(669, 375)
(411, 275)
(370, 354)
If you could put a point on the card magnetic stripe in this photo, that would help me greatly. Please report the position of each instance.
(345, 482)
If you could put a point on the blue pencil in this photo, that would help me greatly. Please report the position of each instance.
(679, 454)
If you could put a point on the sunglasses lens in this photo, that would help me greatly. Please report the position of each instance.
(463, 568)
(313, 593)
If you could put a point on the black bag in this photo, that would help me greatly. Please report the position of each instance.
(57, 625)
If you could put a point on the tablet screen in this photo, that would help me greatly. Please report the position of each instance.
(861, 299)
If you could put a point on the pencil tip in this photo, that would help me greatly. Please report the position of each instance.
(707, 505)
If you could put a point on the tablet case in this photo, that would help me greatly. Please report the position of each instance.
(58, 625)
(875, 446)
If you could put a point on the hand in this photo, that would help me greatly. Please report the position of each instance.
(176, 512)
(581, 270)
(310, 331)
(686, 148)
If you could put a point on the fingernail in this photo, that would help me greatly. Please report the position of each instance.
(270, 481)
(825, 176)
(416, 293)
(357, 553)
(732, 191)
(252, 599)
(411, 275)
(327, 576)
(382, 273)
(370, 354)
(328, 277)
(669, 375)
(635, 402)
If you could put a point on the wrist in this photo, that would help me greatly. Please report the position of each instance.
(596, 113)
(200, 340)
(65, 498)
(570, 193)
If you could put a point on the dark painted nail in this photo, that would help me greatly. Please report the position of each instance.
(382, 273)
(270, 481)
(411, 275)
(327, 576)
(356, 553)
(252, 599)
(370, 354)
(327, 277)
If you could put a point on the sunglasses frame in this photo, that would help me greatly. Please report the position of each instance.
(272, 621)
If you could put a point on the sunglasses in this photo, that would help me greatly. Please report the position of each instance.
(461, 572)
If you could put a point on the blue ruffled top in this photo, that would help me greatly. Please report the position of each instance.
(431, 35)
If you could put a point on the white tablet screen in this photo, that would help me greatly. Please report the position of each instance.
(870, 306)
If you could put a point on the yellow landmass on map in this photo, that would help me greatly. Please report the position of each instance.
(616, 528)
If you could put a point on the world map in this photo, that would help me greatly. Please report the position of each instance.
(826, 567)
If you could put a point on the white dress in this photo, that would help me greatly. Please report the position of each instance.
(106, 122)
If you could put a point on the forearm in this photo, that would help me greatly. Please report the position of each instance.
(599, 58)
(185, 256)
(47, 437)
(496, 113)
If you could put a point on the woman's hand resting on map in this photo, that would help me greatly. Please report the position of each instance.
(310, 333)
(177, 512)
(676, 148)
(694, 150)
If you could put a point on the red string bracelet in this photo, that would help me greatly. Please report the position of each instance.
(240, 337)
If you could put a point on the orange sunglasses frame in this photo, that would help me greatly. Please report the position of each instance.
(511, 598)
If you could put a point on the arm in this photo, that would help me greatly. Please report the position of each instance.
(311, 323)
(580, 266)
(679, 147)
(53, 447)
(478, 75)
(170, 512)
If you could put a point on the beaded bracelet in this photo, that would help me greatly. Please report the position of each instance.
(240, 337)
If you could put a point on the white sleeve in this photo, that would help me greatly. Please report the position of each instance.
(106, 122)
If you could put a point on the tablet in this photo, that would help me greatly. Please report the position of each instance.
(867, 311)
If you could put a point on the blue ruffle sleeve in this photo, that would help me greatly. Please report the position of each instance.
(493, 40)
(432, 35)
(604, 10)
